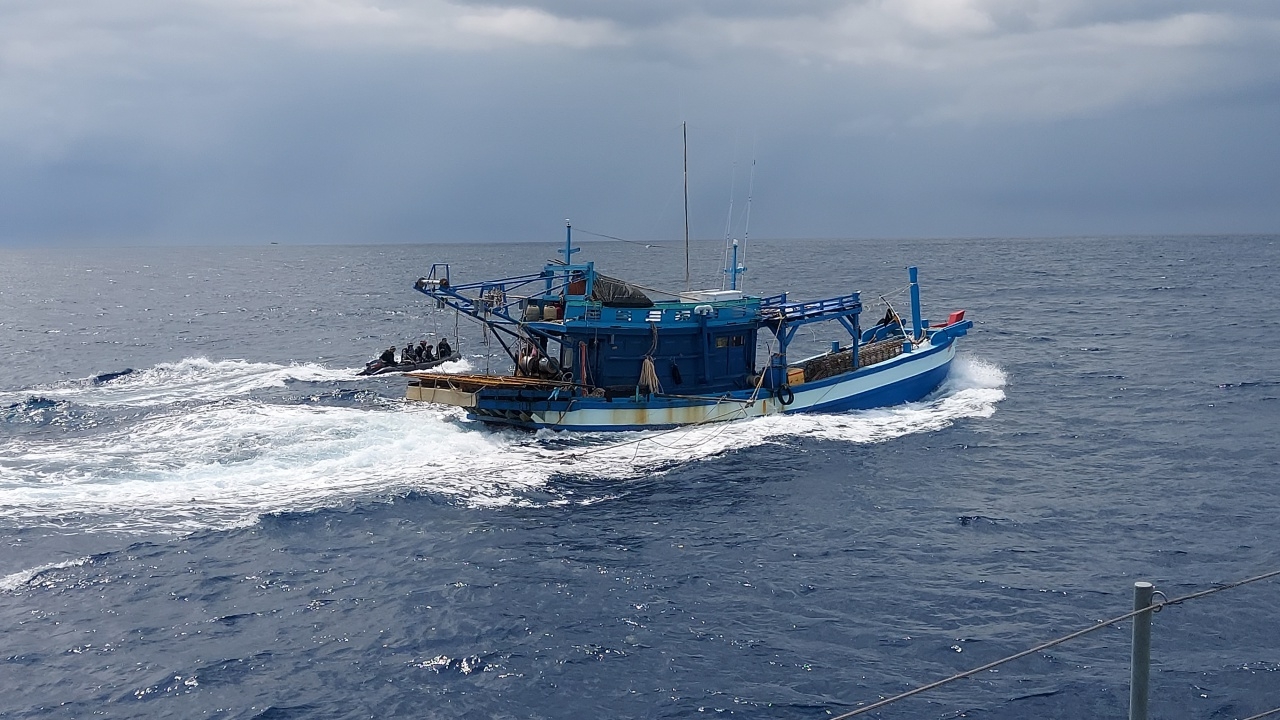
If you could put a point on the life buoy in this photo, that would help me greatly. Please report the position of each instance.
(785, 396)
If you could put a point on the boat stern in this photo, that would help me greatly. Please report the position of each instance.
(442, 395)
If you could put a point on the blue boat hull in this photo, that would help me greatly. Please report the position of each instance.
(906, 378)
(593, 353)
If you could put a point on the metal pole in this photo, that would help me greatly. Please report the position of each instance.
(684, 133)
(733, 282)
(1140, 670)
(917, 331)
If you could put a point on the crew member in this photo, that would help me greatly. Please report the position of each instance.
(425, 353)
(443, 349)
(407, 355)
(388, 356)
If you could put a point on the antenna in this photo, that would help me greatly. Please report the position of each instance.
(728, 222)
(684, 133)
(746, 230)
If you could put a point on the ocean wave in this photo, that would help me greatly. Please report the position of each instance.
(973, 388)
(227, 462)
(22, 578)
(191, 379)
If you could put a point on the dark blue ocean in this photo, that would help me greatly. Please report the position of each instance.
(241, 528)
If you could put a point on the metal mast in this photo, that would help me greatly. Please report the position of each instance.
(684, 132)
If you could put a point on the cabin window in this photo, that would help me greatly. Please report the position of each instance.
(731, 341)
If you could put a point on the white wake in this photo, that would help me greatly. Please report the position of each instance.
(231, 459)
(192, 379)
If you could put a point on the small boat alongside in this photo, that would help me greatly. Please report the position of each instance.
(593, 353)
(379, 367)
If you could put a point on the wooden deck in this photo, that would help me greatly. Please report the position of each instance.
(473, 383)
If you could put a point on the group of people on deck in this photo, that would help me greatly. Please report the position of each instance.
(412, 355)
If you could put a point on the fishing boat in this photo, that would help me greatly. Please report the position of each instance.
(593, 353)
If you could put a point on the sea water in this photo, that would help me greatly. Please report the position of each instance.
(239, 526)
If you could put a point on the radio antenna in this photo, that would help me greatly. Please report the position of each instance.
(684, 132)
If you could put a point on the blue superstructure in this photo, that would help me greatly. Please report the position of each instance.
(591, 352)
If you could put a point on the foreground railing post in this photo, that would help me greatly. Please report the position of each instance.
(1140, 669)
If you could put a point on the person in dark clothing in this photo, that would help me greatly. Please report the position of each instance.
(425, 354)
(443, 350)
(407, 356)
(388, 356)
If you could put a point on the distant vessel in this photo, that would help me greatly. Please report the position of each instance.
(593, 353)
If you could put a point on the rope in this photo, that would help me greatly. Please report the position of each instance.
(895, 292)
(1210, 591)
(1262, 715)
(1154, 607)
(649, 377)
(678, 441)
(686, 428)
(896, 317)
(612, 237)
(723, 419)
(567, 407)
(633, 284)
(735, 414)
(488, 345)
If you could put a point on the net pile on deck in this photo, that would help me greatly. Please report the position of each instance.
(872, 353)
(825, 366)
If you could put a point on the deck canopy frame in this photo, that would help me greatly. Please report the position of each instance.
(500, 304)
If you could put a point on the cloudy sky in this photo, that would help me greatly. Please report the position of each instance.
(322, 121)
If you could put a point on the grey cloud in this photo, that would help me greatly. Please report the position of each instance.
(662, 12)
(343, 121)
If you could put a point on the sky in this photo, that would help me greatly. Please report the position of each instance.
(389, 121)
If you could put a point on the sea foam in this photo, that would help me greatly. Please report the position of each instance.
(226, 461)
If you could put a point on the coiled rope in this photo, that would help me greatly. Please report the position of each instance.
(1154, 607)
(649, 376)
